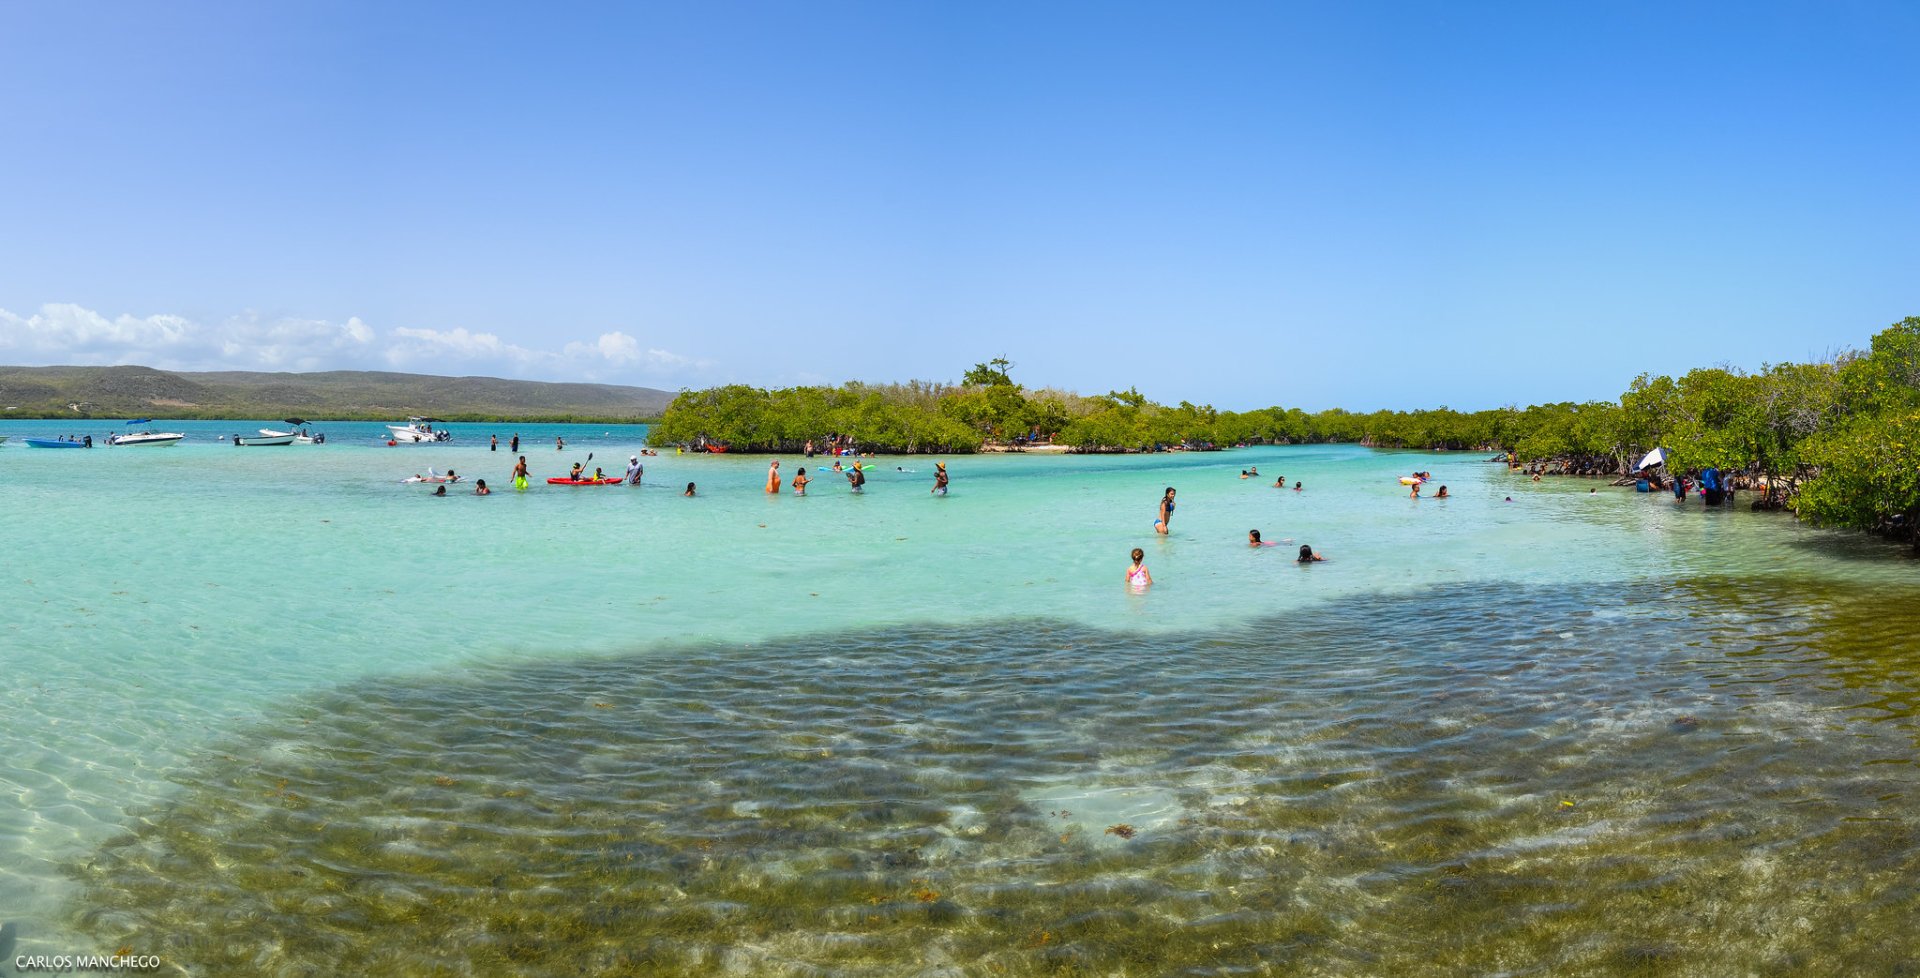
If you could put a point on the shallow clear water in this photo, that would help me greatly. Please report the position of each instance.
(270, 710)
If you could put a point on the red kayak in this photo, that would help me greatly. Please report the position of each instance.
(585, 482)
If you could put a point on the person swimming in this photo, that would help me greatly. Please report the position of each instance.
(1253, 540)
(1137, 576)
(439, 490)
(1165, 520)
(1414, 493)
(689, 491)
(480, 488)
(1307, 556)
(1442, 494)
(1296, 487)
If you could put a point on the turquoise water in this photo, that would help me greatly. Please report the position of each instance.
(760, 721)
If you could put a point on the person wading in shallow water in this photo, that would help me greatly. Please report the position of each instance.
(1163, 523)
(1137, 576)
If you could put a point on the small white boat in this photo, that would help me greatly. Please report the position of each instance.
(299, 437)
(246, 442)
(418, 430)
(133, 438)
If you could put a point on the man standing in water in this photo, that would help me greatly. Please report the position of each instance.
(514, 445)
(634, 470)
(493, 443)
(519, 478)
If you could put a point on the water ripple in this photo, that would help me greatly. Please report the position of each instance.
(1694, 779)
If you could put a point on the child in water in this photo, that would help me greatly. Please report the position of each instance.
(1307, 556)
(1296, 487)
(689, 491)
(1137, 576)
(1253, 540)
(480, 488)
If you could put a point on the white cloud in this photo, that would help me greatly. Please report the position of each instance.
(71, 334)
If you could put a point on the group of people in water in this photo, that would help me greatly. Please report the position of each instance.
(1139, 578)
(856, 476)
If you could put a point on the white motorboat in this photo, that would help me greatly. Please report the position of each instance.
(247, 442)
(299, 437)
(418, 430)
(145, 438)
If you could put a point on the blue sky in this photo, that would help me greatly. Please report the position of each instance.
(1356, 205)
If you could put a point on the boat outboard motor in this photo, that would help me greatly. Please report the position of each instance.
(87, 441)
(236, 439)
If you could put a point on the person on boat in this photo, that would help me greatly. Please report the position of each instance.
(940, 478)
(440, 490)
(634, 470)
(1307, 556)
(599, 474)
(480, 488)
(519, 477)
(773, 477)
(689, 491)
(1442, 494)
(578, 471)
(1165, 520)
(800, 481)
(1137, 576)
(857, 478)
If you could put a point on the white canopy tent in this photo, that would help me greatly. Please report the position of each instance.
(1655, 457)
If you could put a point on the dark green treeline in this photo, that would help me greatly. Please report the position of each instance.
(1853, 421)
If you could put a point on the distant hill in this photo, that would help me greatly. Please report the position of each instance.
(345, 395)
